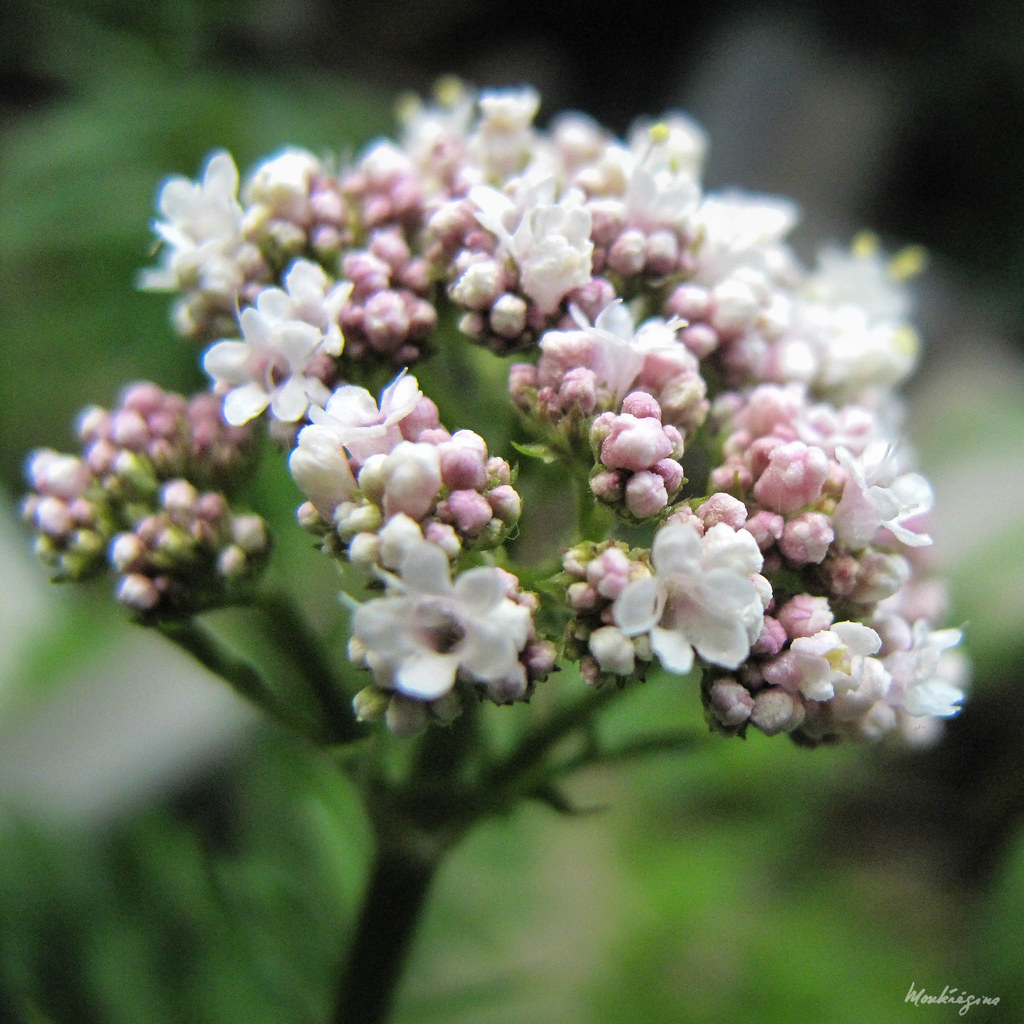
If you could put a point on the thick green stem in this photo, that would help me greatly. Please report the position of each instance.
(397, 890)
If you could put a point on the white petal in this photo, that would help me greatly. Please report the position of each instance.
(480, 589)
(290, 400)
(244, 403)
(228, 361)
(676, 549)
(426, 675)
(425, 569)
(673, 649)
(639, 606)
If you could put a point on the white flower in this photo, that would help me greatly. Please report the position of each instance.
(929, 677)
(352, 417)
(663, 186)
(742, 231)
(504, 138)
(202, 230)
(877, 495)
(549, 242)
(430, 630)
(832, 660)
(268, 367)
(675, 143)
(701, 597)
(310, 295)
(279, 187)
(619, 348)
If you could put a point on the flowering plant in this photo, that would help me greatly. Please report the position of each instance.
(737, 513)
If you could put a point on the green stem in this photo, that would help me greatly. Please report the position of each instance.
(524, 768)
(210, 652)
(287, 628)
(397, 890)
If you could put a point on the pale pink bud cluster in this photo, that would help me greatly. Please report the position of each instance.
(148, 499)
(389, 314)
(184, 555)
(174, 435)
(639, 455)
(591, 368)
(364, 467)
(598, 575)
(294, 206)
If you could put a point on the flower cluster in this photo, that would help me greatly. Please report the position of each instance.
(727, 417)
(148, 498)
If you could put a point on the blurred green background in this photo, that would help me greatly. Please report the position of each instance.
(164, 857)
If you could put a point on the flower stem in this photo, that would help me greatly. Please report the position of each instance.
(291, 634)
(397, 890)
(210, 652)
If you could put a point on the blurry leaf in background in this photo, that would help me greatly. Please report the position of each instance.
(78, 184)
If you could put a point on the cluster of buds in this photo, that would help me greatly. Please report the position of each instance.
(148, 498)
(377, 476)
(730, 407)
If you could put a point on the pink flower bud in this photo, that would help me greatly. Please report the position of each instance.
(609, 572)
(138, 592)
(53, 517)
(464, 461)
(646, 494)
(777, 711)
(805, 615)
(730, 702)
(793, 478)
(467, 510)
(579, 389)
(641, 404)
(806, 538)
(723, 508)
(700, 339)
(127, 552)
(688, 301)
(386, 320)
(635, 444)
(628, 253)
(671, 472)
(772, 639)
(608, 486)
(505, 503)
(766, 527)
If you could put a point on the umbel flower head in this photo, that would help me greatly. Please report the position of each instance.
(737, 501)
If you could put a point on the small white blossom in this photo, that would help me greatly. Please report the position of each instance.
(549, 242)
(877, 495)
(701, 597)
(268, 366)
(280, 186)
(351, 416)
(310, 295)
(428, 631)
(201, 231)
(831, 661)
(619, 347)
(929, 677)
